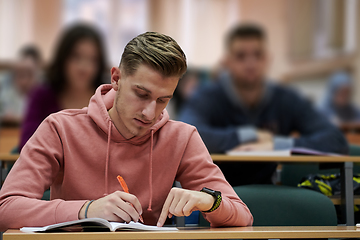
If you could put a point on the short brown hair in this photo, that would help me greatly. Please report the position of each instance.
(156, 50)
(245, 31)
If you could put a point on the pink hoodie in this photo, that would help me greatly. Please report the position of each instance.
(79, 153)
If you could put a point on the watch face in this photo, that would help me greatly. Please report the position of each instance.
(210, 190)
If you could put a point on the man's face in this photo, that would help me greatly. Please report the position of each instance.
(140, 99)
(247, 62)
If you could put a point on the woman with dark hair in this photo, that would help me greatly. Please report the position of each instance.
(75, 72)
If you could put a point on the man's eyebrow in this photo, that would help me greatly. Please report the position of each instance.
(148, 91)
(168, 96)
(142, 88)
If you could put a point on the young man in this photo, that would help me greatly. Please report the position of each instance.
(242, 111)
(124, 131)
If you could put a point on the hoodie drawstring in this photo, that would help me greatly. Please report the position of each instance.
(150, 168)
(107, 159)
(150, 164)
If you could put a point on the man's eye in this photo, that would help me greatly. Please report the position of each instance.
(142, 95)
(161, 101)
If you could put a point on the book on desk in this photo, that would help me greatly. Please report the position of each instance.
(95, 225)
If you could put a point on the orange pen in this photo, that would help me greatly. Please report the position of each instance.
(126, 189)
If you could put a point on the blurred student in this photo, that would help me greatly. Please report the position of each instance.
(337, 104)
(245, 112)
(16, 86)
(75, 72)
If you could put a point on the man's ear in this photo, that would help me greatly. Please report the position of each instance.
(115, 77)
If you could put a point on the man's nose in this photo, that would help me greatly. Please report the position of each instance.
(149, 111)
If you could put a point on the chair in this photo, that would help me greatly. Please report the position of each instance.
(46, 195)
(273, 205)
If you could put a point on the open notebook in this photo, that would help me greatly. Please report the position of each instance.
(95, 224)
(281, 153)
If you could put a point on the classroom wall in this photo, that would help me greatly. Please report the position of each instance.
(46, 24)
(15, 29)
(198, 26)
(28, 21)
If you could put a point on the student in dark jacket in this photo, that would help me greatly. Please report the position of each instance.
(243, 111)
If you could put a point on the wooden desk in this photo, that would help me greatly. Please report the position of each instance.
(336, 200)
(350, 127)
(6, 157)
(352, 132)
(9, 138)
(346, 169)
(353, 138)
(200, 233)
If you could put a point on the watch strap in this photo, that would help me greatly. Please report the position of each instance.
(216, 195)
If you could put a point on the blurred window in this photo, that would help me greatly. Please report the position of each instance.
(119, 20)
(322, 28)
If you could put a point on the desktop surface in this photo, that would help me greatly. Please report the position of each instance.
(201, 233)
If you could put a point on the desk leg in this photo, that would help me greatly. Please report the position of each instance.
(180, 221)
(347, 194)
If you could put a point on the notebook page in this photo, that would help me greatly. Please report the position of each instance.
(139, 226)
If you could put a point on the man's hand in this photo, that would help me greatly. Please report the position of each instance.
(264, 143)
(258, 146)
(264, 136)
(182, 202)
(114, 207)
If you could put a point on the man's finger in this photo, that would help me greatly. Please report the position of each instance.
(129, 209)
(126, 207)
(176, 199)
(180, 204)
(165, 210)
(121, 214)
(189, 207)
(131, 199)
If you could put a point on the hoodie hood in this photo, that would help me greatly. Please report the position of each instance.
(99, 105)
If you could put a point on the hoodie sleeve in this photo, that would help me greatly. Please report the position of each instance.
(197, 170)
(38, 165)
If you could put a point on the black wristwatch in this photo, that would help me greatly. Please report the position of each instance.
(216, 195)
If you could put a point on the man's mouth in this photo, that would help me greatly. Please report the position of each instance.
(142, 122)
